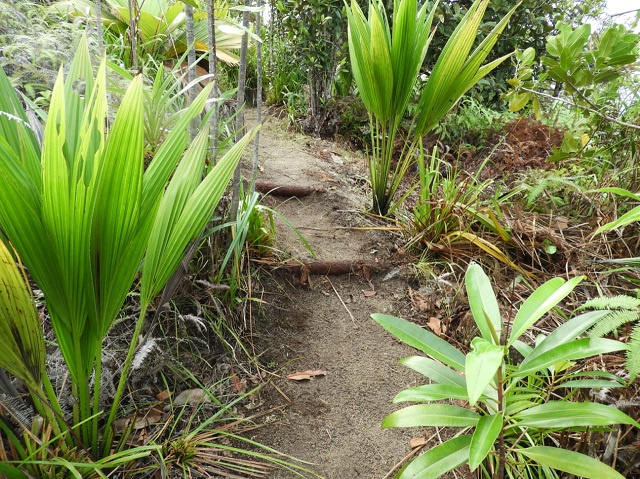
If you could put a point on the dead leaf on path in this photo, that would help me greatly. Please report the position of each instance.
(561, 223)
(422, 301)
(163, 395)
(436, 326)
(368, 294)
(366, 272)
(192, 396)
(239, 386)
(417, 442)
(305, 375)
(141, 419)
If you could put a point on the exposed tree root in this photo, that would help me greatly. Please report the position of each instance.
(333, 268)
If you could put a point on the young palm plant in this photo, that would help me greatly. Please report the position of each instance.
(84, 214)
(385, 67)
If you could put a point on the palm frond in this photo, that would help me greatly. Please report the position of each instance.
(21, 339)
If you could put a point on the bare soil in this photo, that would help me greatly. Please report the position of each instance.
(322, 323)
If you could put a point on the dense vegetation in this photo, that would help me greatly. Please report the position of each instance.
(507, 134)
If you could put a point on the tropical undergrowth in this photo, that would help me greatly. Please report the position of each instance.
(105, 221)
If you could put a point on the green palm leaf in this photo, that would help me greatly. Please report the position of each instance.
(21, 339)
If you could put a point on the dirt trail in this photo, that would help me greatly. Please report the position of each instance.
(332, 421)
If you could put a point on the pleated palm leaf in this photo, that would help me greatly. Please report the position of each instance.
(385, 67)
(83, 212)
(21, 339)
(161, 24)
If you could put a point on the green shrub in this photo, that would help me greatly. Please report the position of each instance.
(509, 389)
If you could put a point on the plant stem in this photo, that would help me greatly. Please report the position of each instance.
(49, 411)
(191, 67)
(97, 379)
(501, 450)
(108, 429)
(133, 31)
(213, 70)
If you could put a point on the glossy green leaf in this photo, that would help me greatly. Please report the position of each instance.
(458, 68)
(578, 349)
(515, 407)
(434, 370)
(570, 462)
(432, 392)
(421, 339)
(589, 384)
(438, 460)
(566, 332)
(183, 183)
(519, 101)
(483, 303)
(541, 301)
(562, 414)
(482, 363)
(522, 348)
(442, 415)
(484, 438)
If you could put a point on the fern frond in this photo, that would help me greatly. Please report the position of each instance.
(613, 321)
(621, 301)
(536, 191)
(633, 354)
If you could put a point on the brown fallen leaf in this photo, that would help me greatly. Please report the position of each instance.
(163, 395)
(436, 326)
(192, 396)
(417, 442)
(305, 375)
(366, 272)
(141, 419)
(423, 302)
(368, 294)
(238, 385)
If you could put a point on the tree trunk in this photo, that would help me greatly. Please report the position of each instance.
(256, 141)
(99, 27)
(213, 70)
(133, 32)
(272, 22)
(191, 59)
(242, 80)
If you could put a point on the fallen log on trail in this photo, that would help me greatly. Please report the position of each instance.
(274, 189)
